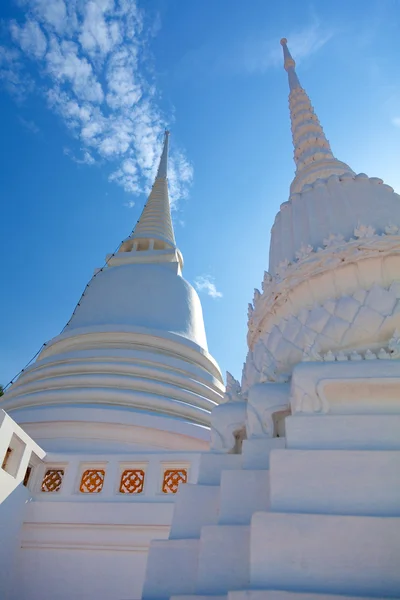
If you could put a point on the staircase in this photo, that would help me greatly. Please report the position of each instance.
(311, 516)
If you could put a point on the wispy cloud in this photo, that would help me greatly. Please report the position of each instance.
(205, 283)
(87, 62)
(129, 204)
(253, 53)
(29, 125)
(260, 54)
(86, 159)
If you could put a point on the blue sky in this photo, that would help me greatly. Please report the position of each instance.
(86, 89)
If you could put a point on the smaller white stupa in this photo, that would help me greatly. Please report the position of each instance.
(106, 424)
(131, 368)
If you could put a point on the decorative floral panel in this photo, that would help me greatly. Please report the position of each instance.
(132, 481)
(172, 479)
(52, 480)
(92, 481)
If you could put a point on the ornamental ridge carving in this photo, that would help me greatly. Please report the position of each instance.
(353, 327)
(392, 352)
(233, 390)
(364, 231)
(336, 251)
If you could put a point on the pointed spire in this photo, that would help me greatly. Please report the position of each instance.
(163, 166)
(312, 152)
(155, 222)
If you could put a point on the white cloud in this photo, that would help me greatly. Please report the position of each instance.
(205, 283)
(64, 65)
(124, 91)
(127, 175)
(87, 158)
(180, 176)
(87, 56)
(98, 36)
(129, 204)
(29, 37)
(29, 125)
(12, 75)
(53, 13)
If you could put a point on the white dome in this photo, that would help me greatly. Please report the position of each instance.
(333, 206)
(131, 368)
(150, 296)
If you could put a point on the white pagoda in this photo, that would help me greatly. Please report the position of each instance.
(106, 424)
(299, 496)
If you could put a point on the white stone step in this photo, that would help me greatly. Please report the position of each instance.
(256, 452)
(326, 554)
(171, 569)
(195, 506)
(242, 493)
(352, 432)
(212, 464)
(223, 559)
(346, 482)
(284, 595)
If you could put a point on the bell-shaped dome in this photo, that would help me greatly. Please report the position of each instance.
(131, 367)
(150, 296)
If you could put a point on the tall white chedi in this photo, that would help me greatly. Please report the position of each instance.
(131, 369)
(300, 495)
(334, 263)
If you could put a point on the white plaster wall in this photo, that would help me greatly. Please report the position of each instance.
(11, 518)
(13, 496)
(94, 546)
(63, 574)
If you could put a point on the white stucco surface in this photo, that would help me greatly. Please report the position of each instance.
(152, 296)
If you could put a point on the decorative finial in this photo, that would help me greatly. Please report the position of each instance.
(288, 59)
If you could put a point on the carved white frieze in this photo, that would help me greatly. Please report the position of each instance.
(304, 252)
(334, 331)
(233, 390)
(283, 286)
(364, 231)
(266, 282)
(282, 268)
(336, 250)
(394, 345)
(391, 229)
(333, 240)
(256, 296)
